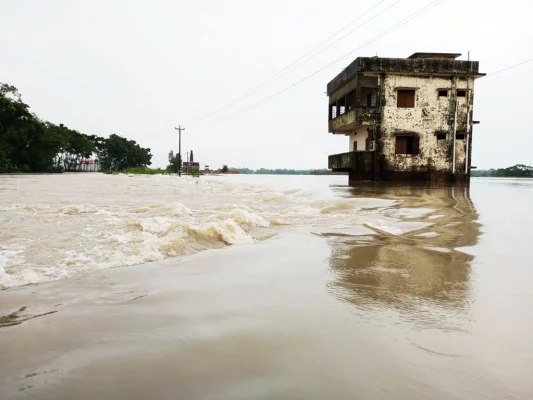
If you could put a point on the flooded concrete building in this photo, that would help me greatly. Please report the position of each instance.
(406, 118)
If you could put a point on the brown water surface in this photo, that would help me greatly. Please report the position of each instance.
(372, 292)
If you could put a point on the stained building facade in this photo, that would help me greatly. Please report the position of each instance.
(405, 118)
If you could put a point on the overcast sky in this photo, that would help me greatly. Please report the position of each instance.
(139, 68)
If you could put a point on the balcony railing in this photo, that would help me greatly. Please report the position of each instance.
(351, 119)
(362, 161)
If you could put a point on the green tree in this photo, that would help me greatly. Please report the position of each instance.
(224, 169)
(516, 171)
(117, 153)
(75, 146)
(14, 116)
(13, 111)
(29, 144)
(44, 145)
(174, 162)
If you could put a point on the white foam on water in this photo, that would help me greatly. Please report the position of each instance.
(428, 235)
(11, 207)
(409, 212)
(435, 216)
(11, 258)
(397, 227)
(340, 206)
(118, 220)
(439, 249)
(79, 209)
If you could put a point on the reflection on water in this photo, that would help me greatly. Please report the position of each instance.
(423, 275)
(375, 292)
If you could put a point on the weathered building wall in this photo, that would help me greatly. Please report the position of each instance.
(404, 66)
(365, 95)
(462, 103)
(429, 117)
(460, 158)
(359, 135)
(343, 120)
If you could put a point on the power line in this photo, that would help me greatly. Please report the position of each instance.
(364, 44)
(328, 46)
(414, 15)
(288, 68)
(508, 68)
(387, 31)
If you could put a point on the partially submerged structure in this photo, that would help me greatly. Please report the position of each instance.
(406, 118)
(189, 166)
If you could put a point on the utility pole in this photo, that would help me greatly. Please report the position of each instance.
(179, 148)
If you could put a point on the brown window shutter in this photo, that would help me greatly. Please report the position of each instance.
(406, 98)
(401, 145)
(410, 98)
(401, 99)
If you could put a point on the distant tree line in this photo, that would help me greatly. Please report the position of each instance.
(516, 171)
(476, 173)
(265, 171)
(30, 144)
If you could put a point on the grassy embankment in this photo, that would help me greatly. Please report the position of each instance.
(152, 171)
(145, 171)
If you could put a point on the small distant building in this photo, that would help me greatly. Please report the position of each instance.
(190, 166)
(79, 164)
(206, 170)
(88, 165)
(405, 118)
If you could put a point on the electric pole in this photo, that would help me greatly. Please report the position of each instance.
(179, 148)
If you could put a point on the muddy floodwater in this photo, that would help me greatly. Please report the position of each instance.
(264, 287)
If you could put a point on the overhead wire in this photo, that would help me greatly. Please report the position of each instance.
(508, 68)
(336, 41)
(404, 21)
(291, 67)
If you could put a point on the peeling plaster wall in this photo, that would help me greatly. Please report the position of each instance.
(342, 121)
(460, 147)
(429, 116)
(359, 135)
(403, 66)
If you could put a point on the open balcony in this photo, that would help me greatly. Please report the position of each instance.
(349, 120)
(361, 161)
